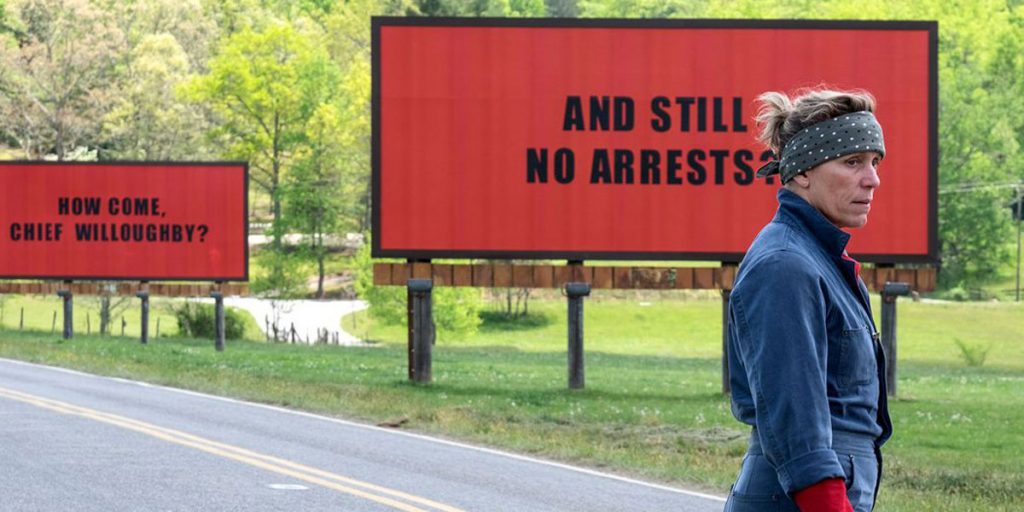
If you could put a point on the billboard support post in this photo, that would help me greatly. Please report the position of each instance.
(576, 292)
(421, 328)
(409, 332)
(144, 321)
(726, 387)
(69, 329)
(218, 322)
(889, 294)
(727, 285)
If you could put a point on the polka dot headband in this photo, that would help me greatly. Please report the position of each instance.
(824, 141)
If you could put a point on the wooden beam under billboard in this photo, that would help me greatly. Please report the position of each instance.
(125, 289)
(921, 279)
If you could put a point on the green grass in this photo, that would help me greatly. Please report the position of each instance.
(652, 406)
(39, 316)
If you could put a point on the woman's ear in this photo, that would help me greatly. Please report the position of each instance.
(801, 180)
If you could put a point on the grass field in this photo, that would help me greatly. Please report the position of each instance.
(652, 406)
(46, 314)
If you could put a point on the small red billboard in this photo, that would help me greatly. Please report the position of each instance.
(627, 139)
(124, 221)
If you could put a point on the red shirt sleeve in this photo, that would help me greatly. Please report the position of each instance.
(824, 496)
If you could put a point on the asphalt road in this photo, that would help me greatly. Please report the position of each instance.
(73, 441)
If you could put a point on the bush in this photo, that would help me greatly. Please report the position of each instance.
(456, 310)
(196, 320)
(957, 293)
(973, 354)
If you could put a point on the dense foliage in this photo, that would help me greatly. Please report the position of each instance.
(196, 320)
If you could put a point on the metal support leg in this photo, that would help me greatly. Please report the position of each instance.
(889, 294)
(144, 326)
(69, 329)
(422, 328)
(576, 292)
(218, 314)
(726, 386)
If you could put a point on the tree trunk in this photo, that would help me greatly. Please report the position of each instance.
(60, 144)
(104, 314)
(275, 178)
(321, 255)
(320, 283)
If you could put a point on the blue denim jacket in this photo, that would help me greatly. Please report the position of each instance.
(804, 357)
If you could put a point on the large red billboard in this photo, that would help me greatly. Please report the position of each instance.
(124, 220)
(627, 139)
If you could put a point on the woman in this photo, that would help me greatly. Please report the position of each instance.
(805, 362)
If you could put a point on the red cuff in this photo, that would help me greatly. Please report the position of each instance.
(824, 496)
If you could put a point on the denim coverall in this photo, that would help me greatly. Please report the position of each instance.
(806, 367)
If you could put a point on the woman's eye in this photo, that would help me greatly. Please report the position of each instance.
(853, 162)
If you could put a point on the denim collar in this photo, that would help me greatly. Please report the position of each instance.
(795, 210)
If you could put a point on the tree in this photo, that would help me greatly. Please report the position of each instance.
(562, 8)
(980, 143)
(56, 74)
(313, 197)
(510, 8)
(262, 88)
(642, 8)
(109, 308)
(981, 121)
(187, 21)
(149, 120)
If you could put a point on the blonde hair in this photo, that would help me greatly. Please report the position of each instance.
(781, 117)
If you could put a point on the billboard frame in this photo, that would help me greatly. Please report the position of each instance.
(378, 22)
(244, 277)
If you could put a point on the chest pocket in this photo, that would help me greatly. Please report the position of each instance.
(856, 361)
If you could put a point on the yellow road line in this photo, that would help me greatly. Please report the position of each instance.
(269, 463)
(243, 452)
